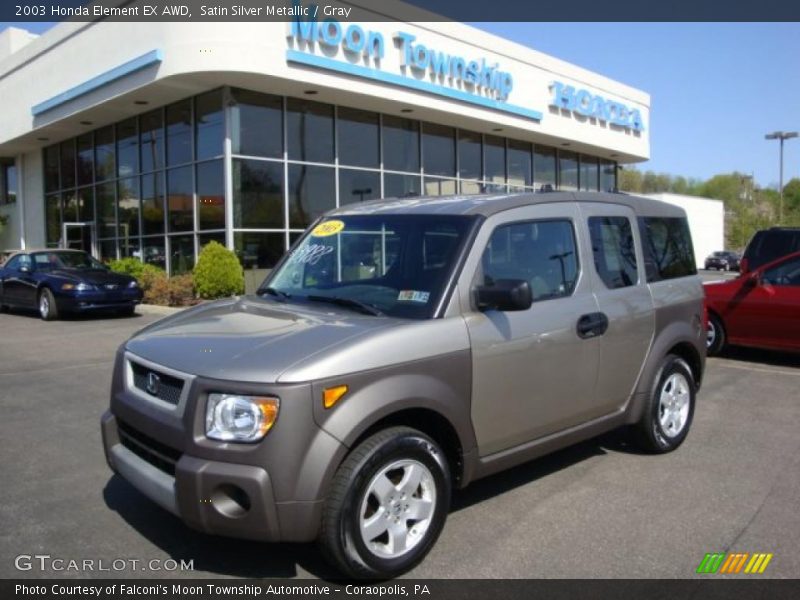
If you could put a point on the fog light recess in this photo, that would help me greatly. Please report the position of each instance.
(230, 500)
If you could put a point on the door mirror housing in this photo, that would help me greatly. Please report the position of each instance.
(24, 269)
(753, 279)
(505, 295)
(743, 266)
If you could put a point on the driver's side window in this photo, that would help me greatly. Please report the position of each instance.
(543, 253)
(786, 273)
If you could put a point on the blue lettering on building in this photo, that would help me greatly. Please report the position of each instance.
(593, 106)
(476, 77)
(330, 33)
(473, 75)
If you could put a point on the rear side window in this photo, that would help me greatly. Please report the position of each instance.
(614, 251)
(770, 244)
(667, 245)
(786, 273)
(16, 263)
(540, 252)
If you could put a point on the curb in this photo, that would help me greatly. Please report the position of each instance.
(154, 309)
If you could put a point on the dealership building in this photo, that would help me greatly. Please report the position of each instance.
(151, 139)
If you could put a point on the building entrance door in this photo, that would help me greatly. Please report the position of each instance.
(79, 236)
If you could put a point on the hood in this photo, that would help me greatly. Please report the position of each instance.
(92, 276)
(250, 339)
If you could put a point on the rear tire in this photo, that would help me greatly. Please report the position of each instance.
(387, 505)
(668, 414)
(48, 310)
(715, 336)
(128, 311)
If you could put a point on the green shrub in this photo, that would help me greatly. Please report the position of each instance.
(181, 290)
(128, 266)
(142, 272)
(218, 272)
(150, 274)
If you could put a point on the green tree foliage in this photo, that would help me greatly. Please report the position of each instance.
(218, 273)
(791, 197)
(630, 180)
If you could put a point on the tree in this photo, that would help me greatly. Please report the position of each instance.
(679, 185)
(791, 196)
(723, 187)
(630, 180)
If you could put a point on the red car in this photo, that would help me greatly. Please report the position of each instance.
(761, 308)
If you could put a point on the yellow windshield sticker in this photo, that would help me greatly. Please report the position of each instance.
(327, 228)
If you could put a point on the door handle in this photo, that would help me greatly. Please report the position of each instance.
(592, 325)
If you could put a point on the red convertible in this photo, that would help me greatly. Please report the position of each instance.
(760, 309)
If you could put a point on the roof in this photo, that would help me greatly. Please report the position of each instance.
(490, 204)
(12, 253)
(32, 250)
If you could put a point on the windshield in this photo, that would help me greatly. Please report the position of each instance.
(66, 260)
(396, 265)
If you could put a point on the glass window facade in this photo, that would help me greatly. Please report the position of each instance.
(590, 180)
(179, 133)
(568, 171)
(439, 150)
(158, 186)
(309, 131)
(358, 138)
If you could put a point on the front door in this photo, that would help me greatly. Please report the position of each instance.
(79, 236)
(533, 374)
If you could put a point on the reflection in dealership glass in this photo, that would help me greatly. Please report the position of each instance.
(396, 265)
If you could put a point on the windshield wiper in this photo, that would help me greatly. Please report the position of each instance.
(348, 303)
(282, 296)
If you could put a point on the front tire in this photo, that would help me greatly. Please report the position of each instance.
(48, 309)
(128, 311)
(387, 505)
(715, 335)
(668, 413)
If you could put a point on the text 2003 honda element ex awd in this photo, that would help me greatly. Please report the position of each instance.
(404, 348)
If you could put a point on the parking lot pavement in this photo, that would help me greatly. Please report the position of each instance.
(599, 509)
(717, 275)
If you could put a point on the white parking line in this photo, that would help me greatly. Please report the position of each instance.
(732, 365)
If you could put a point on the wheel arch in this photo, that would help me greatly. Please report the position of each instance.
(678, 339)
(433, 424)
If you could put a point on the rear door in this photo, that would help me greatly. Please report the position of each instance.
(533, 375)
(623, 298)
(780, 286)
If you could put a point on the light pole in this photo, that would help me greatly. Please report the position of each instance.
(781, 135)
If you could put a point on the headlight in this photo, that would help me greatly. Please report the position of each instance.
(240, 418)
(133, 284)
(81, 287)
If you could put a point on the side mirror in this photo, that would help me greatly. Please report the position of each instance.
(743, 266)
(505, 294)
(24, 269)
(753, 279)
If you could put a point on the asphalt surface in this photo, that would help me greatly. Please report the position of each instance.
(597, 510)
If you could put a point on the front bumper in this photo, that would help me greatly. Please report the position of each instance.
(272, 490)
(91, 300)
(210, 496)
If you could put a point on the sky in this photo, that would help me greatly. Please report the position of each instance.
(716, 88)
